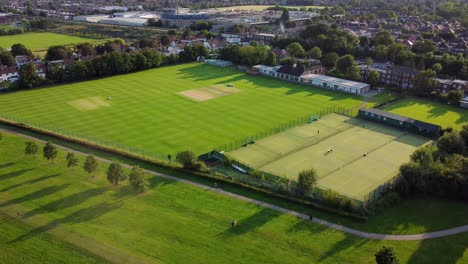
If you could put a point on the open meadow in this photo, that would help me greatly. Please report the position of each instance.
(170, 109)
(41, 41)
(177, 223)
(351, 156)
(431, 112)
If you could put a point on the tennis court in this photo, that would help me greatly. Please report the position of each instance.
(351, 156)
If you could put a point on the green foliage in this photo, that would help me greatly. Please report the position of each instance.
(330, 59)
(19, 49)
(344, 62)
(31, 148)
(464, 134)
(386, 255)
(201, 166)
(50, 151)
(72, 160)
(6, 58)
(315, 53)
(306, 181)
(137, 180)
(90, 165)
(271, 59)
(287, 61)
(28, 77)
(187, 159)
(382, 38)
(115, 173)
(58, 53)
(452, 143)
(373, 77)
(338, 201)
(353, 73)
(295, 50)
(245, 55)
(424, 81)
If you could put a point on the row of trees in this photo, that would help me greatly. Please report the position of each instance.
(440, 170)
(248, 55)
(115, 172)
(108, 64)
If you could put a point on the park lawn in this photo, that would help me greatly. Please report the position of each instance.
(39, 249)
(383, 97)
(41, 41)
(431, 112)
(174, 222)
(147, 113)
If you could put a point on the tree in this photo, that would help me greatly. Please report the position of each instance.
(306, 181)
(437, 67)
(454, 96)
(271, 59)
(50, 151)
(90, 165)
(85, 49)
(6, 58)
(315, 53)
(369, 61)
(353, 73)
(386, 255)
(344, 62)
(115, 173)
(187, 159)
(55, 72)
(72, 161)
(383, 37)
(452, 143)
(165, 40)
(137, 180)
(464, 134)
(295, 50)
(285, 15)
(287, 61)
(330, 59)
(20, 49)
(424, 81)
(31, 148)
(28, 77)
(423, 46)
(373, 77)
(363, 41)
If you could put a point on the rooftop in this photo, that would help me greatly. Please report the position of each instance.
(334, 80)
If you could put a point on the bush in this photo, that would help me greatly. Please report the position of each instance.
(338, 201)
(187, 159)
(201, 167)
(257, 174)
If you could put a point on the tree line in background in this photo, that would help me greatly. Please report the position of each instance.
(107, 59)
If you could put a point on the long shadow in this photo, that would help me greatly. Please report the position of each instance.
(43, 178)
(450, 250)
(80, 216)
(249, 224)
(13, 174)
(36, 195)
(348, 241)
(5, 165)
(66, 202)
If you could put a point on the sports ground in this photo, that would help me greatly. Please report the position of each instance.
(41, 41)
(145, 111)
(351, 156)
(432, 112)
(69, 217)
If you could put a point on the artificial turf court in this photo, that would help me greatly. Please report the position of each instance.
(148, 113)
(345, 169)
(431, 112)
(41, 41)
(66, 214)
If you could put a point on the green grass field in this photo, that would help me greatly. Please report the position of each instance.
(261, 7)
(177, 223)
(148, 113)
(345, 169)
(41, 41)
(431, 112)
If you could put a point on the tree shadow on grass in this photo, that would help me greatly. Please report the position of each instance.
(441, 250)
(13, 174)
(43, 178)
(5, 165)
(36, 195)
(80, 216)
(302, 226)
(249, 224)
(345, 243)
(66, 202)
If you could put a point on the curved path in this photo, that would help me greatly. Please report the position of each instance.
(423, 236)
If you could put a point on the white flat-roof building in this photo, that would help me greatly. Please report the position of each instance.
(304, 76)
(337, 84)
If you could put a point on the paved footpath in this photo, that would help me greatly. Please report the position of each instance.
(423, 236)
